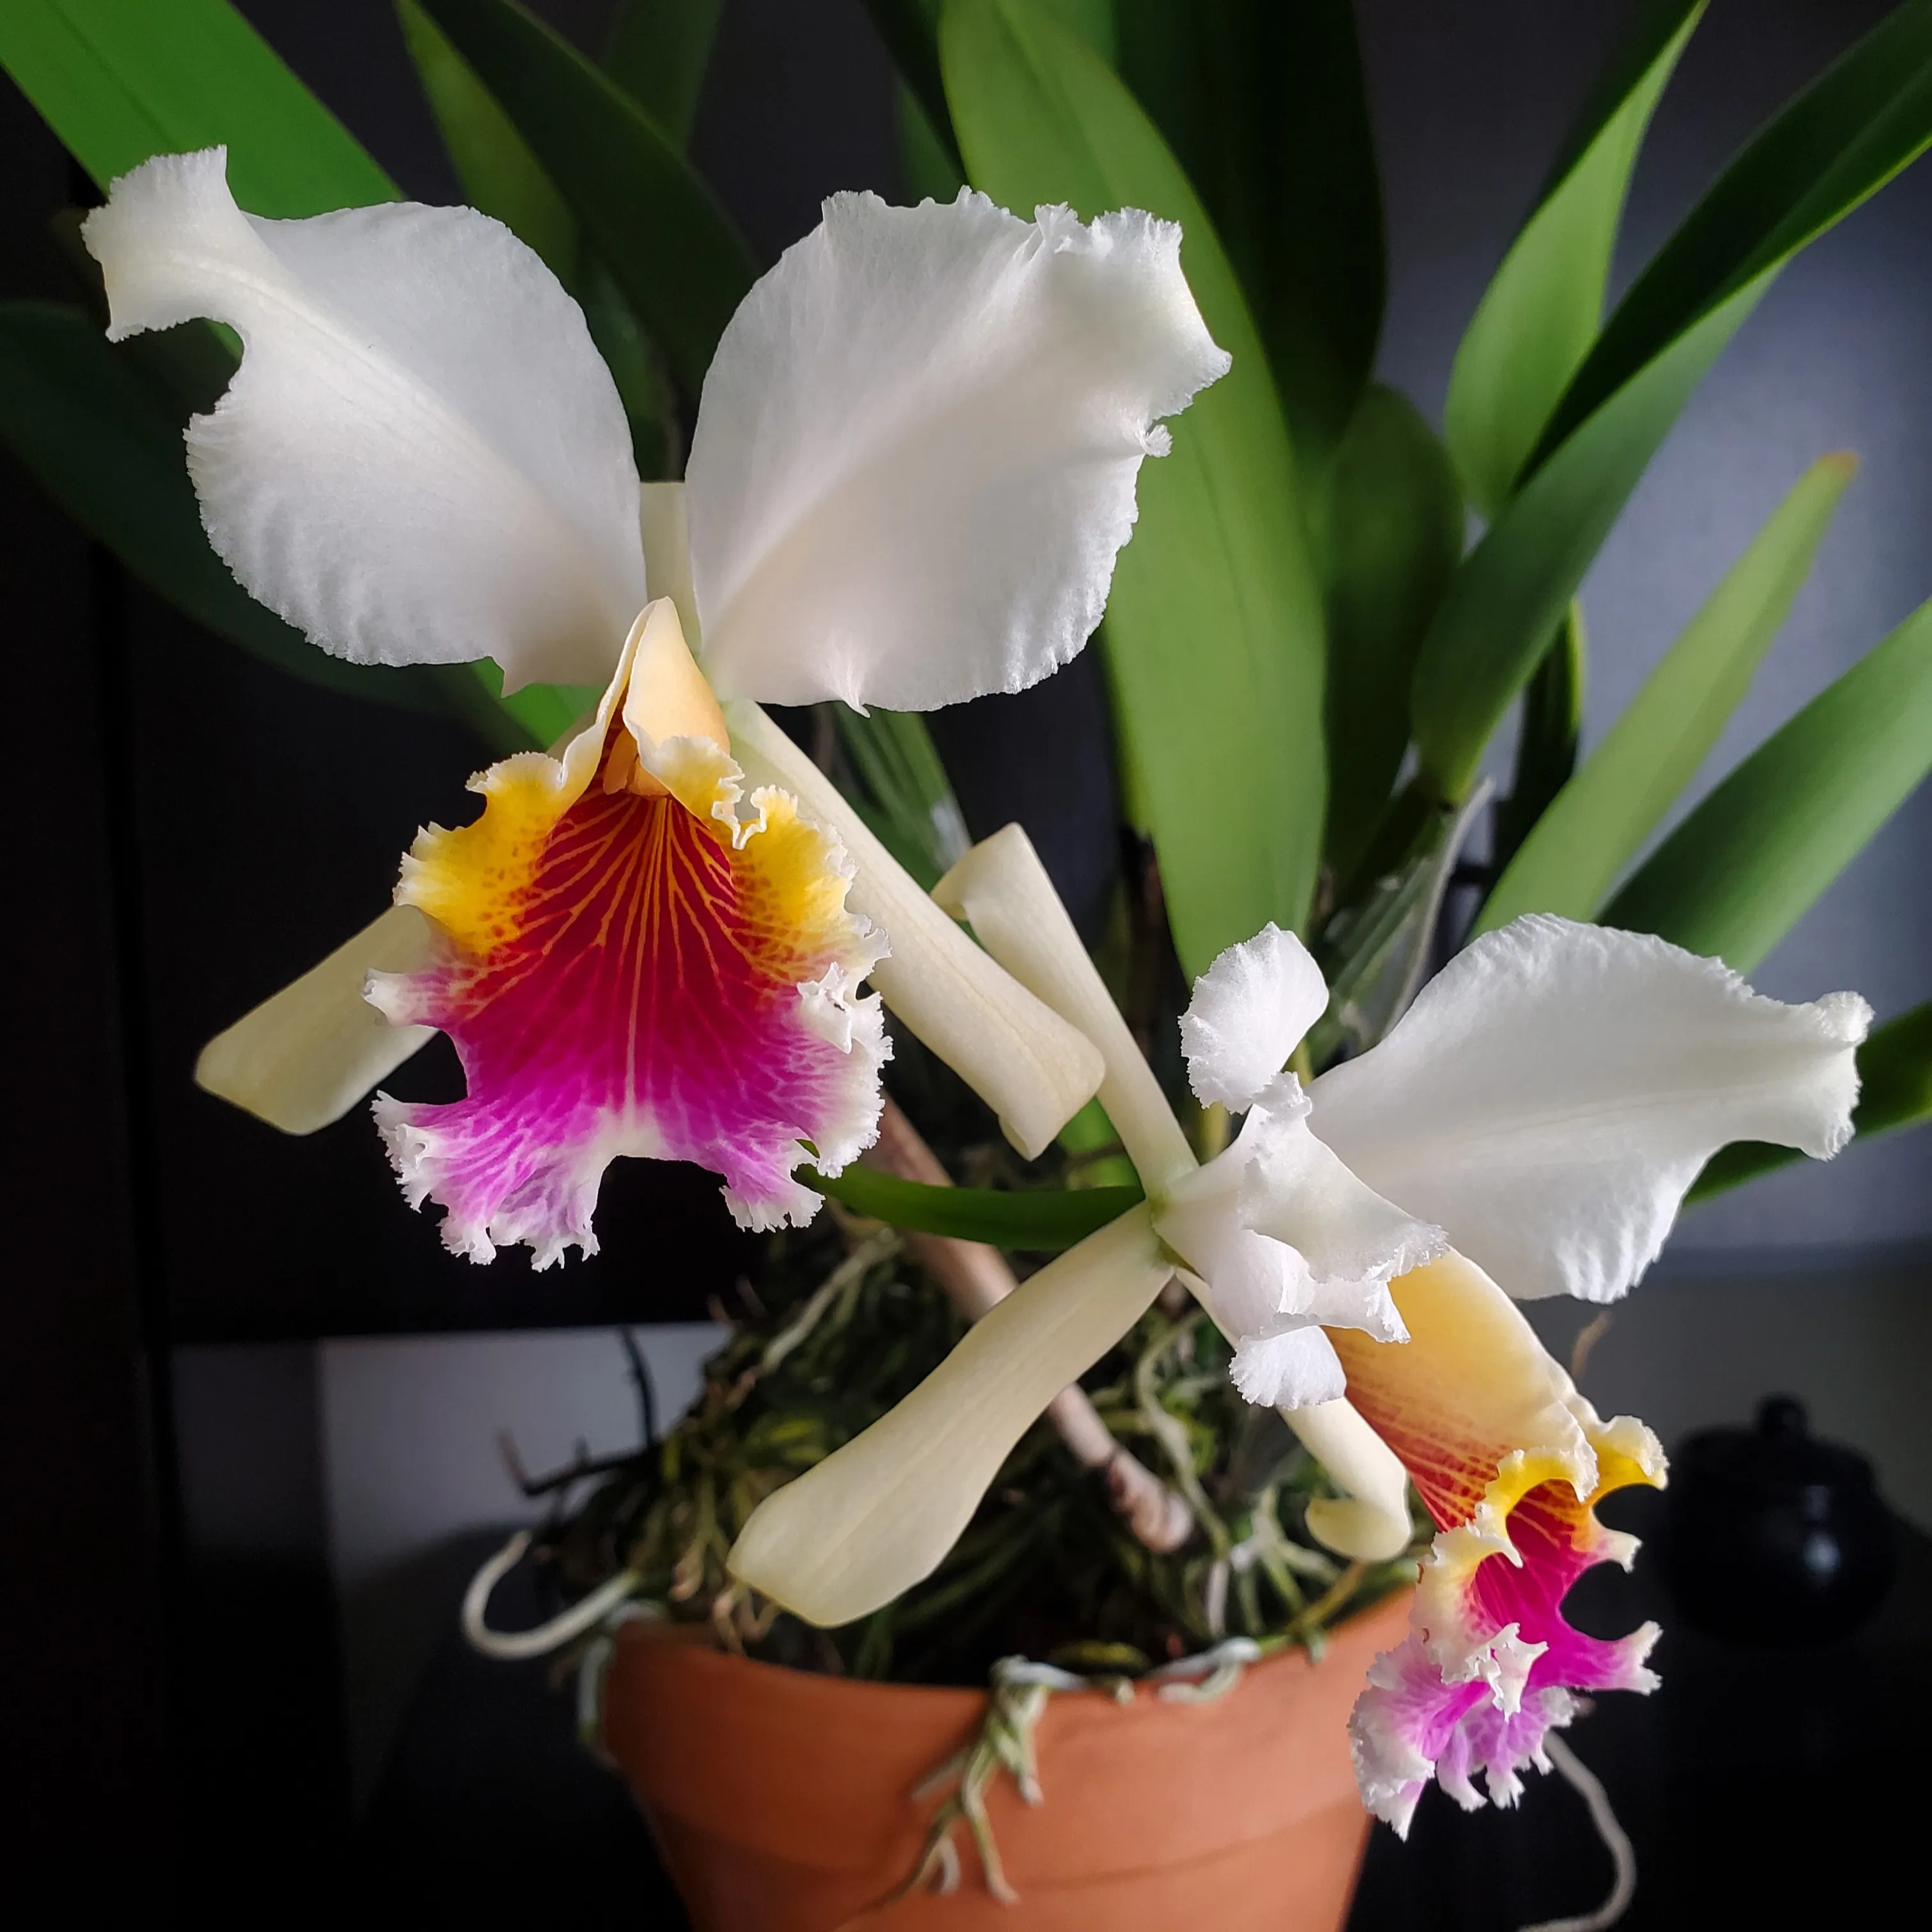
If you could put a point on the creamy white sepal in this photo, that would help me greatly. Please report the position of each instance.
(1033, 1069)
(879, 1513)
(915, 457)
(1248, 1012)
(306, 1055)
(422, 459)
(1369, 1522)
(1001, 889)
(1556, 1088)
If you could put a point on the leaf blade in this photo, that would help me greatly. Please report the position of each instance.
(1539, 315)
(1735, 877)
(675, 254)
(1571, 860)
(1040, 1223)
(118, 82)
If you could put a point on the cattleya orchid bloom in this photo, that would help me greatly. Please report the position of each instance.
(1534, 1119)
(913, 466)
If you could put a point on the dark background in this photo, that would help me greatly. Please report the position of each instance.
(191, 830)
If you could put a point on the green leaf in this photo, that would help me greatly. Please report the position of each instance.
(120, 80)
(1551, 727)
(911, 31)
(1865, 118)
(1504, 602)
(1214, 634)
(1895, 1091)
(106, 444)
(679, 262)
(493, 163)
(1039, 1222)
(657, 51)
(1539, 315)
(1570, 861)
(1743, 867)
(1851, 131)
(1388, 532)
(902, 778)
(1263, 103)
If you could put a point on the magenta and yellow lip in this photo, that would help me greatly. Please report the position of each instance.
(1510, 1462)
(630, 964)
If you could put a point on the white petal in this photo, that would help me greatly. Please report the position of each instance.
(1295, 1188)
(1249, 1011)
(915, 457)
(1557, 1088)
(423, 460)
(1033, 1069)
(303, 1058)
(1002, 890)
(1295, 1368)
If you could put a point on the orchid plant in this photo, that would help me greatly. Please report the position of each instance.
(922, 442)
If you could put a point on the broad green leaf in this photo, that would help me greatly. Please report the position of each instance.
(1551, 728)
(1504, 602)
(1895, 1084)
(493, 163)
(1263, 103)
(1743, 867)
(1861, 121)
(1570, 860)
(657, 51)
(1388, 532)
(1214, 630)
(674, 253)
(1039, 1222)
(1541, 314)
(120, 80)
(1865, 118)
(106, 444)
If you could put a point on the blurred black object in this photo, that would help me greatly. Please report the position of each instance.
(1773, 1536)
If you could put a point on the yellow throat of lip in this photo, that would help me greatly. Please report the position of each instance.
(667, 697)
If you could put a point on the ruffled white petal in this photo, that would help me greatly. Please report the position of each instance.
(1354, 1242)
(915, 457)
(1553, 1092)
(1249, 1011)
(1294, 1368)
(304, 1057)
(422, 460)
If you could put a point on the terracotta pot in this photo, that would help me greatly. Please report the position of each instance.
(781, 1801)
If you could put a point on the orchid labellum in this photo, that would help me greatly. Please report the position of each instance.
(1533, 1120)
(913, 465)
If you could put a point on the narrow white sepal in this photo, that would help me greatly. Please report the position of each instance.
(1001, 889)
(1033, 1069)
(306, 1055)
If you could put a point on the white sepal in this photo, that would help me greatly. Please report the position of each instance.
(306, 1055)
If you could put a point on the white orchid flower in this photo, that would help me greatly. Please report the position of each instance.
(914, 464)
(1538, 1115)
